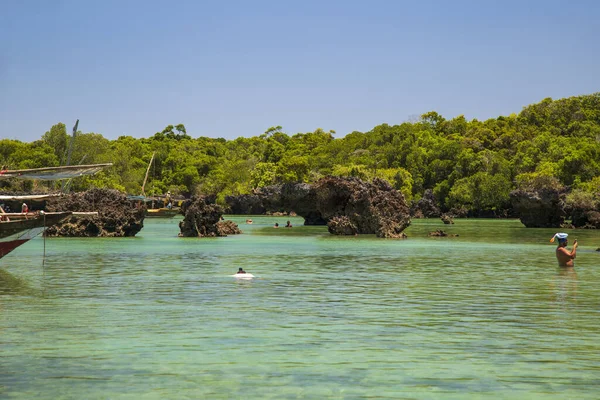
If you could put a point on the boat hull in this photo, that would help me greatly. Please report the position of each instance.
(17, 232)
(7, 244)
(161, 213)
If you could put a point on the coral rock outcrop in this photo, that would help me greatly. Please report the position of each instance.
(348, 206)
(202, 218)
(117, 217)
(426, 206)
(447, 219)
(543, 208)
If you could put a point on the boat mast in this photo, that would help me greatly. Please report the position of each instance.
(64, 185)
(147, 171)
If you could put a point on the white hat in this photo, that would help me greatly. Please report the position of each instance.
(560, 236)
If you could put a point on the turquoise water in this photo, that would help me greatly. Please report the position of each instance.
(483, 315)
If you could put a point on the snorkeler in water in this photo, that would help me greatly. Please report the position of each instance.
(563, 255)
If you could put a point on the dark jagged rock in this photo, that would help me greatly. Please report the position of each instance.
(586, 219)
(447, 219)
(459, 212)
(539, 208)
(426, 206)
(593, 220)
(227, 227)
(584, 211)
(441, 233)
(299, 197)
(341, 226)
(117, 217)
(368, 207)
(417, 214)
(277, 214)
(245, 204)
(202, 218)
(313, 218)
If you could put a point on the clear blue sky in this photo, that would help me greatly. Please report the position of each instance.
(235, 68)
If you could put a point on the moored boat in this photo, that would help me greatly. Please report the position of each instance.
(162, 212)
(19, 228)
(151, 210)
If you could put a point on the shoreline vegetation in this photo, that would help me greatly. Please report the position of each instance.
(542, 165)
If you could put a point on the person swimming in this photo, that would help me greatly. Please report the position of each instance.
(241, 271)
(563, 255)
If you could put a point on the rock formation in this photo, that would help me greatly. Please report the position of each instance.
(447, 219)
(459, 212)
(202, 218)
(341, 226)
(588, 219)
(245, 204)
(299, 197)
(441, 233)
(371, 207)
(426, 206)
(228, 227)
(584, 209)
(116, 217)
(539, 208)
(348, 206)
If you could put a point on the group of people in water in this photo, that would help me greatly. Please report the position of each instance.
(249, 221)
(287, 225)
(563, 255)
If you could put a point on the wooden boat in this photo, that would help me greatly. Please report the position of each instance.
(151, 212)
(162, 212)
(18, 228)
(22, 227)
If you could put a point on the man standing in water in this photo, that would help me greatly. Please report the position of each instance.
(565, 257)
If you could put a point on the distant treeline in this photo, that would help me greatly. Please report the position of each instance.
(469, 165)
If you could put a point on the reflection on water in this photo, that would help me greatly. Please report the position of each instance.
(483, 315)
(565, 285)
(11, 284)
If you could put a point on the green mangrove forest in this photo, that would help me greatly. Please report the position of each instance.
(471, 166)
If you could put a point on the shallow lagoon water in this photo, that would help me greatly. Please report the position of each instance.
(483, 315)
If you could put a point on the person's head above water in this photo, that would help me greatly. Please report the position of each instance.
(561, 237)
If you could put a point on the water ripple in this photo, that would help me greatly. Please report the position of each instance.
(326, 317)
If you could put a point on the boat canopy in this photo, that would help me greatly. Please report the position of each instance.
(28, 197)
(134, 197)
(54, 173)
(146, 198)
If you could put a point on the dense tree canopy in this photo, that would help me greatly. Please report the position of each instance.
(471, 165)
